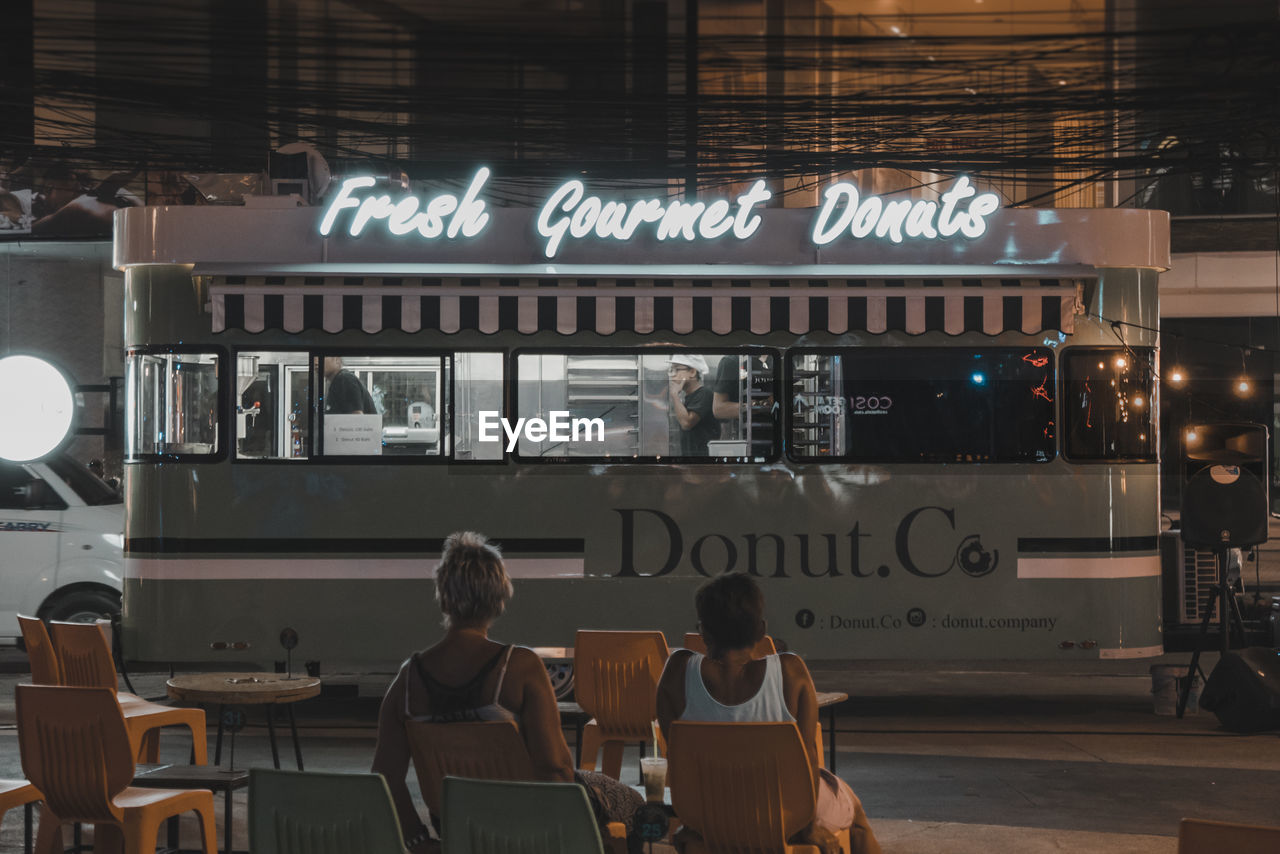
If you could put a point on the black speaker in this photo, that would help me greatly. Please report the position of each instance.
(1224, 507)
(1244, 690)
(1224, 497)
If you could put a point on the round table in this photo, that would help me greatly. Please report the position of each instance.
(247, 689)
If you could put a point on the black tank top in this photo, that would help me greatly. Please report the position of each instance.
(454, 703)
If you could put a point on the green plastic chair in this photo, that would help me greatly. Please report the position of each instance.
(500, 817)
(305, 812)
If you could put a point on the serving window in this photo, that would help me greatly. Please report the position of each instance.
(922, 405)
(1107, 403)
(663, 405)
(172, 404)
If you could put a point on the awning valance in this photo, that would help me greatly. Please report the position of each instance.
(605, 306)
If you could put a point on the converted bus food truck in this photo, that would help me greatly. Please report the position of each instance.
(934, 430)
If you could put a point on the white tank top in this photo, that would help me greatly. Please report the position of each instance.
(769, 703)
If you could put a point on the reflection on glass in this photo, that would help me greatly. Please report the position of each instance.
(1107, 409)
(173, 400)
(672, 405)
(382, 405)
(477, 388)
(272, 405)
(923, 405)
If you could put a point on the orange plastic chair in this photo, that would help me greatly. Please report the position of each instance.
(1197, 836)
(616, 683)
(481, 750)
(693, 641)
(44, 661)
(85, 658)
(19, 793)
(76, 750)
(742, 787)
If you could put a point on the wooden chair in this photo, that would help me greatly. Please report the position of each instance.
(76, 750)
(299, 812)
(693, 641)
(19, 793)
(84, 656)
(742, 787)
(616, 683)
(1198, 836)
(484, 750)
(494, 817)
(40, 652)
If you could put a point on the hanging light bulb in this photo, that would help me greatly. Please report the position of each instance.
(1177, 377)
(1243, 387)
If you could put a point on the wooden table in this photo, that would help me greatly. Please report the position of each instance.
(829, 700)
(247, 689)
(193, 777)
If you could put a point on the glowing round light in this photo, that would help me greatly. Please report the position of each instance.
(1121, 362)
(1192, 436)
(1177, 377)
(1242, 386)
(1137, 402)
(978, 379)
(38, 408)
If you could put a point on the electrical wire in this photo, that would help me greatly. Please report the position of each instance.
(1038, 102)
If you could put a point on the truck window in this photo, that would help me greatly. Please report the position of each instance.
(21, 490)
(91, 489)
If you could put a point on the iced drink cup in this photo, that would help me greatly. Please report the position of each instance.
(653, 773)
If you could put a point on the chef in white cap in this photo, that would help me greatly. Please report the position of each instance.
(691, 403)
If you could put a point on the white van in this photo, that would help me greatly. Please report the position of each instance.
(61, 543)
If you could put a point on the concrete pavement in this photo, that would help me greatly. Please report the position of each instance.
(957, 758)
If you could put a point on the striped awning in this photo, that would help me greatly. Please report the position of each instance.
(605, 306)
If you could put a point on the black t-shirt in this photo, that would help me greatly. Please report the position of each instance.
(693, 442)
(727, 378)
(347, 394)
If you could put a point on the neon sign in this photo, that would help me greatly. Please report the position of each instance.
(567, 210)
(903, 218)
(570, 214)
(466, 217)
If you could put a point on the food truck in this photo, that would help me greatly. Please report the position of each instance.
(931, 429)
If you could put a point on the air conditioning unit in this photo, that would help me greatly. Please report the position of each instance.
(1198, 572)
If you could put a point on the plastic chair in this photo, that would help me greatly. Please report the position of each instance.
(494, 817)
(742, 786)
(19, 793)
(85, 658)
(483, 750)
(76, 750)
(44, 661)
(1198, 836)
(299, 812)
(765, 646)
(616, 683)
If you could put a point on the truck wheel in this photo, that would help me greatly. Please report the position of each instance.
(561, 674)
(83, 606)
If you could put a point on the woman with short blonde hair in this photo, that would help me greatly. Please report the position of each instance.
(467, 676)
(471, 581)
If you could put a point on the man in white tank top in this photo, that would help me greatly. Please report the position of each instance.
(730, 684)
